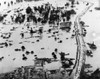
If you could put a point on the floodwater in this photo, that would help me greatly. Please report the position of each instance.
(48, 44)
(93, 32)
(43, 48)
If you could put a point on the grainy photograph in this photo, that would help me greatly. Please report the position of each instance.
(49, 39)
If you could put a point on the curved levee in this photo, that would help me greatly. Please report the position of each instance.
(81, 46)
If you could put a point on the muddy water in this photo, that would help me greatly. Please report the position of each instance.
(43, 48)
(91, 18)
(93, 33)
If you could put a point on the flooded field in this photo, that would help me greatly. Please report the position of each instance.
(39, 37)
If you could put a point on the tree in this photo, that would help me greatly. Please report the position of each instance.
(85, 73)
(92, 46)
(89, 53)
